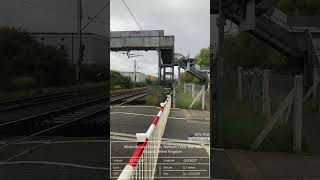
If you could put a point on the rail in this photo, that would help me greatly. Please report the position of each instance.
(59, 118)
(142, 163)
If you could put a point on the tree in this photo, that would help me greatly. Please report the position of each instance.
(299, 7)
(204, 57)
(188, 78)
(119, 81)
(23, 60)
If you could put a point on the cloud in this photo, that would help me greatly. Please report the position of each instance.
(52, 16)
(147, 63)
(187, 20)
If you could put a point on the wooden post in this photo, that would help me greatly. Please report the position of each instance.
(251, 88)
(297, 121)
(256, 86)
(266, 104)
(255, 90)
(318, 70)
(192, 90)
(203, 95)
(316, 90)
(197, 98)
(173, 95)
(240, 95)
(281, 109)
(318, 78)
(179, 81)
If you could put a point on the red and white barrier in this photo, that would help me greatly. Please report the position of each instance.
(142, 163)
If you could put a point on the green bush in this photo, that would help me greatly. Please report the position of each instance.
(141, 84)
(22, 56)
(24, 82)
(93, 73)
(117, 79)
(149, 82)
(299, 7)
(189, 78)
(116, 87)
(153, 98)
(185, 100)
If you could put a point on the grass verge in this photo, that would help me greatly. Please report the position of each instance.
(153, 98)
(184, 100)
(242, 124)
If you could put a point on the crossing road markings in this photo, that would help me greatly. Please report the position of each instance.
(170, 117)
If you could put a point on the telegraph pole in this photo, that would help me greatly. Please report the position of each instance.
(134, 67)
(79, 39)
(135, 71)
(216, 72)
(219, 86)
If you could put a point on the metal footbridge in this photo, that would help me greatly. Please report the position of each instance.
(297, 37)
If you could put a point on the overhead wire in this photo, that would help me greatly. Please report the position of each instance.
(136, 21)
(95, 16)
(132, 15)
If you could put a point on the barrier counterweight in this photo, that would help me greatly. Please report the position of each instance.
(142, 164)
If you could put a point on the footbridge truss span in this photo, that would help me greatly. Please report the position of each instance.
(297, 37)
(149, 40)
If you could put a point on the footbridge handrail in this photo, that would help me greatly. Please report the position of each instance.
(276, 18)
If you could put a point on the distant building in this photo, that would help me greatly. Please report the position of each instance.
(153, 78)
(140, 77)
(95, 46)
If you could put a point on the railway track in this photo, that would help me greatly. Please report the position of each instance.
(80, 116)
(11, 105)
(85, 119)
(26, 107)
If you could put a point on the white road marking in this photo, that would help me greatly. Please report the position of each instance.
(137, 106)
(217, 149)
(149, 115)
(57, 142)
(122, 134)
(54, 163)
(135, 114)
(27, 151)
(144, 106)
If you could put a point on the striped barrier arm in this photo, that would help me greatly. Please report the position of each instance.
(142, 163)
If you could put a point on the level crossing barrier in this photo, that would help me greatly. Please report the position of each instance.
(142, 164)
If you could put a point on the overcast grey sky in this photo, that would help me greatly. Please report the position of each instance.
(187, 20)
(51, 15)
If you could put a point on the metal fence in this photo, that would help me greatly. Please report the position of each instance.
(142, 164)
